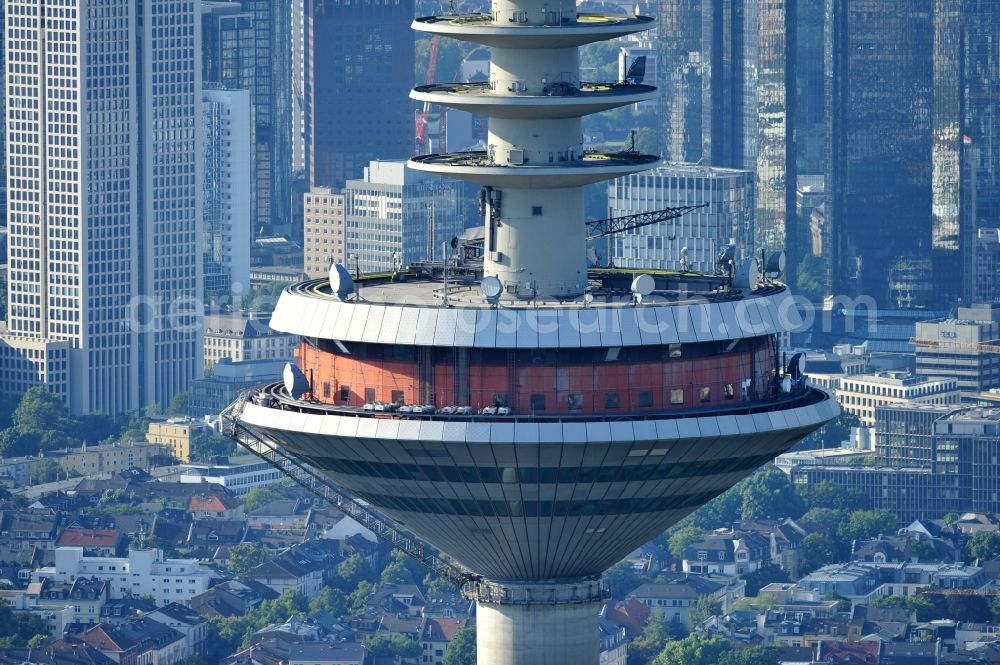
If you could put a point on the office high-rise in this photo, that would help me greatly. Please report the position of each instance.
(879, 117)
(357, 63)
(104, 183)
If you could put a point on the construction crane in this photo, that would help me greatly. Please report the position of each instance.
(319, 485)
(601, 228)
(421, 116)
(984, 347)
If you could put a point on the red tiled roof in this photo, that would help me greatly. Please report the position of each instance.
(89, 538)
(211, 503)
(443, 630)
(849, 653)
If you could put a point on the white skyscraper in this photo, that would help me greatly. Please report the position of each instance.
(104, 181)
(228, 189)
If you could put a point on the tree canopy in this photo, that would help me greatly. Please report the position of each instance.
(257, 497)
(694, 650)
(462, 648)
(984, 545)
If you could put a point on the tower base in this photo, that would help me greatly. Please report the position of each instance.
(538, 623)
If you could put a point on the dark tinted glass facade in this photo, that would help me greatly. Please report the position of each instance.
(880, 108)
(359, 67)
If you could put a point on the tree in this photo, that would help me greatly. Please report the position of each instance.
(681, 539)
(817, 550)
(245, 556)
(462, 648)
(751, 656)
(354, 570)
(704, 609)
(969, 607)
(622, 578)
(923, 550)
(15, 443)
(655, 635)
(828, 494)
(864, 524)
(984, 545)
(262, 298)
(694, 650)
(208, 445)
(827, 520)
(178, 405)
(45, 471)
(95, 427)
(925, 610)
(257, 497)
(8, 402)
(393, 647)
(769, 494)
(439, 587)
(39, 411)
(329, 600)
(810, 277)
(358, 598)
(763, 576)
(395, 573)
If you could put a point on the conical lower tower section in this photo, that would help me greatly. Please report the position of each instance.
(535, 165)
(538, 440)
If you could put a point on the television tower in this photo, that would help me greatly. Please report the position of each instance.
(534, 420)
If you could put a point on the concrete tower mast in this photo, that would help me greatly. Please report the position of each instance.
(535, 166)
(539, 436)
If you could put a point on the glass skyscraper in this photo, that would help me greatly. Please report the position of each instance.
(880, 116)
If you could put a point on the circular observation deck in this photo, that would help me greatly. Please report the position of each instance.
(562, 101)
(560, 171)
(514, 30)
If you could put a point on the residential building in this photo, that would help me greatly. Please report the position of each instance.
(118, 172)
(185, 621)
(963, 348)
(134, 642)
(228, 190)
(880, 149)
(726, 554)
(142, 572)
(111, 458)
(95, 542)
(324, 227)
(240, 337)
(214, 506)
(239, 475)
(435, 636)
(862, 393)
(231, 598)
(363, 53)
(703, 233)
(212, 394)
(175, 434)
(327, 653)
(289, 572)
(396, 215)
(676, 598)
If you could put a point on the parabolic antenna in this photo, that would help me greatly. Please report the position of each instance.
(340, 281)
(775, 263)
(748, 276)
(796, 366)
(643, 285)
(492, 288)
(296, 383)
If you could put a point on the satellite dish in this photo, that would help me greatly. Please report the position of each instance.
(796, 366)
(638, 298)
(747, 278)
(341, 282)
(296, 383)
(588, 298)
(775, 263)
(727, 255)
(636, 71)
(643, 285)
(786, 385)
(491, 287)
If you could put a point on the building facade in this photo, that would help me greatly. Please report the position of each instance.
(963, 348)
(324, 231)
(240, 338)
(397, 210)
(109, 232)
(862, 394)
(705, 232)
(878, 168)
(358, 51)
(228, 197)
